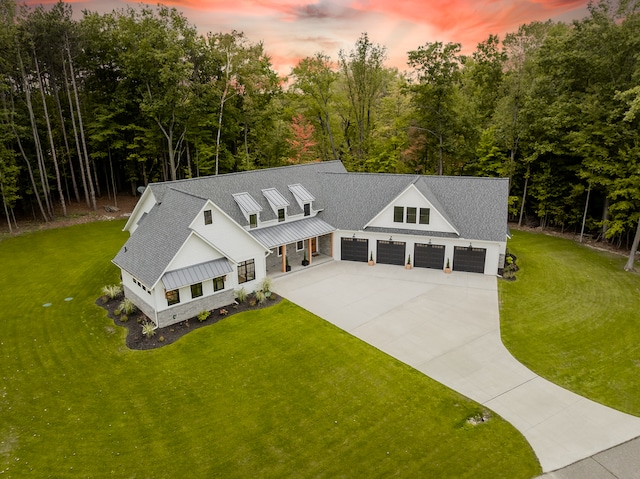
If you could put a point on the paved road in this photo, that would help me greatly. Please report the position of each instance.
(447, 326)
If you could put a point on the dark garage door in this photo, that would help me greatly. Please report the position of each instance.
(391, 252)
(354, 249)
(469, 259)
(428, 256)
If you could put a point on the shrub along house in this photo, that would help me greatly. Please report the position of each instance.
(194, 242)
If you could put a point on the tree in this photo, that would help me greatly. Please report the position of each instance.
(437, 71)
(314, 78)
(363, 71)
(301, 140)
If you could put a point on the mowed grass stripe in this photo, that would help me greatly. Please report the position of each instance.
(270, 393)
(573, 316)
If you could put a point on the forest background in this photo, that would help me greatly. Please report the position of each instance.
(107, 103)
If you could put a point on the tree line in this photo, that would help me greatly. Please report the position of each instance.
(110, 102)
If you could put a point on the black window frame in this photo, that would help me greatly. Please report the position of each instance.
(172, 297)
(218, 283)
(298, 247)
(307, 209)
(281, 215)
(208, 217)
(246, 271)
(423, 215)
(253, 220)
(412, 214)
(197, 287)
(398, 214)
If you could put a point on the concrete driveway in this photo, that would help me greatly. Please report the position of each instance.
(447, 326)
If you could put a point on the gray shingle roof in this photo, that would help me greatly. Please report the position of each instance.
(475, 207)
(154, 244)
(220, 189)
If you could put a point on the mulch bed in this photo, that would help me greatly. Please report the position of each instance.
(170, 334)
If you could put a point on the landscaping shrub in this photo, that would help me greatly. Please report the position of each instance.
(127, 307)
(112, 291)
(265, 285)
(241, 295)
(260, 297)
(203, 315)
(148, 329)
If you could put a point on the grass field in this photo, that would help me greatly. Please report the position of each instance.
(271, 393)
(573, 316)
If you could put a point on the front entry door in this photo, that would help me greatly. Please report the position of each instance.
(314, 245)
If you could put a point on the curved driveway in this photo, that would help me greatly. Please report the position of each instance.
(447, 326)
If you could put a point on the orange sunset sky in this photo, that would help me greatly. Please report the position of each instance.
(293, 29)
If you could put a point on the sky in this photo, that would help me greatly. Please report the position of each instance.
(291, 30)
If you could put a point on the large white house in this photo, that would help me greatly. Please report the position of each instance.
(195, 242)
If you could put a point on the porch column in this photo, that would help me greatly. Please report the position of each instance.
(309, 250)
(284, 258)
(331, 245)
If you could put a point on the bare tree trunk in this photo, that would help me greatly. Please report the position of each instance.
(584, 216)
(6, 208)
(524, 196)
(52, 145)
(113, 181)
(56, 95)
(92, 192)
(31, 177)
(333, 146)
(75, 134)
(634, 248)
(36, 139)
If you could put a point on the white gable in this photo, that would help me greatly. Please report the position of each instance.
(225, 235)
(144, 205)
(411, 197)
(194, 251)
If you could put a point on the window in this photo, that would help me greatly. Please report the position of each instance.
(208, 217)
(307, 209)
(173, 297)
(279, 250)
(411, 214)
(218, 283)
(253, 220)
(196, 290)
(299, 245)
(280, 215)
(424, 216)
(398, 214)
(246, 271)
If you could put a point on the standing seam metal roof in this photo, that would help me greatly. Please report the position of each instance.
(286, 233)
(275, 198)
(196, 274)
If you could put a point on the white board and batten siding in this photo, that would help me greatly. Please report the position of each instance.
(230, 240)
(411, 197)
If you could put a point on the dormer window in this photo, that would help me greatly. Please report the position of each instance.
(307, 209)
(280, 215)
(208, 217)
(253, 220)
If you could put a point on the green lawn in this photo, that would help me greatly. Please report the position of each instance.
(270, 393)
(573, 316)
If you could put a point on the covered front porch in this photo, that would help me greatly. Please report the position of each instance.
(296, 245)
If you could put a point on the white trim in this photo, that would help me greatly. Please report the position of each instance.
(391, 203)
(134, 213)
